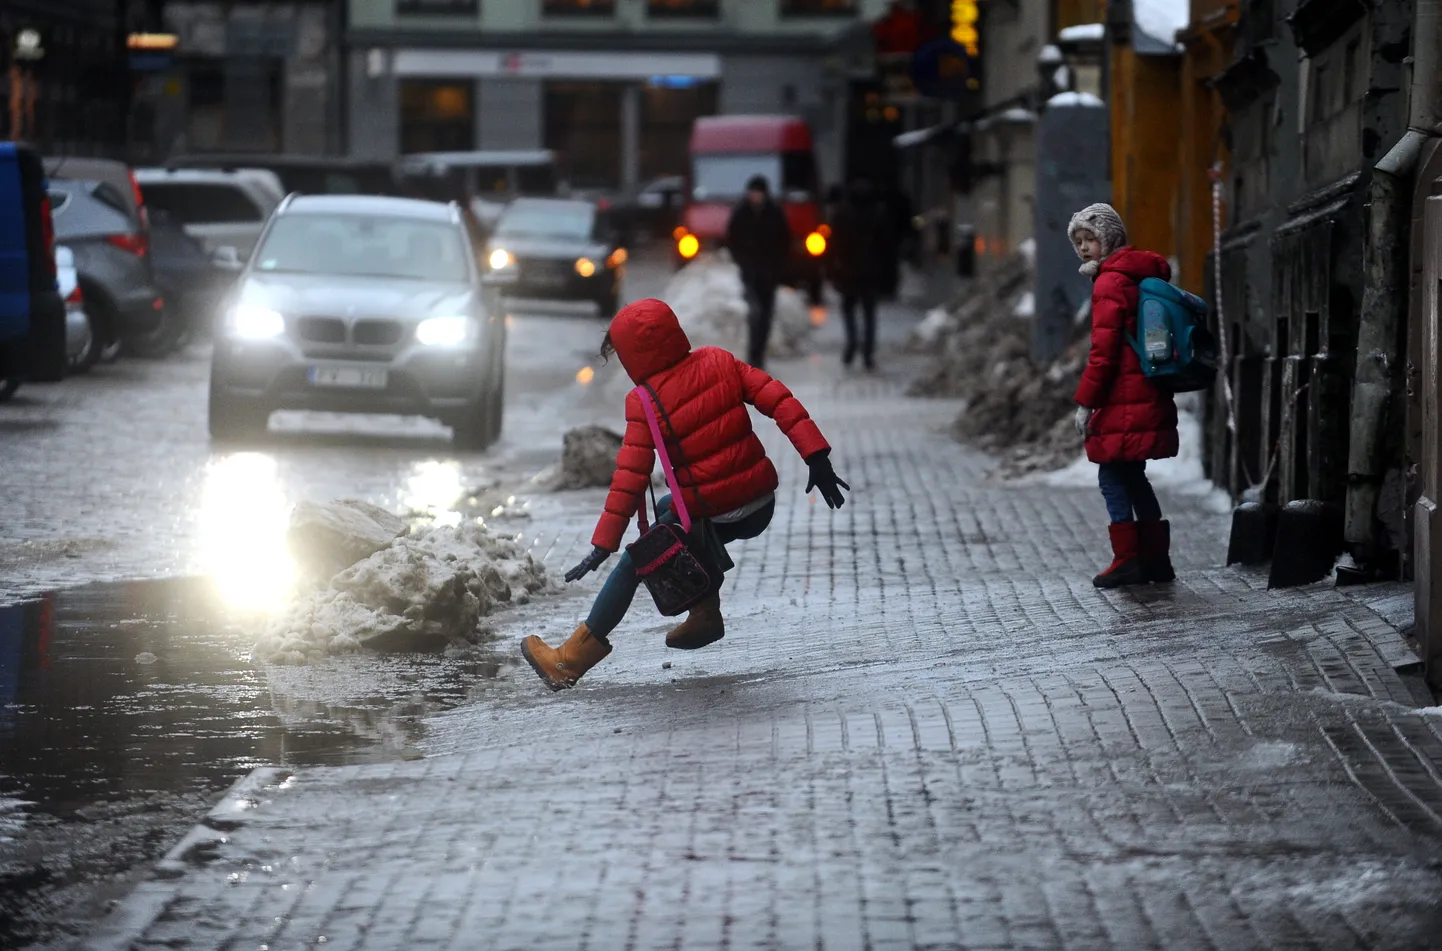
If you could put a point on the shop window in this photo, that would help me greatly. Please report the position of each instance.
(818, 8)
(440, 7)
(581, 8)
(683, 8)
(667, 114)
(437, 116)
(583, 127)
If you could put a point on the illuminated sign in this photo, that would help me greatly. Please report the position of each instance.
(152, 41)
(964, 15)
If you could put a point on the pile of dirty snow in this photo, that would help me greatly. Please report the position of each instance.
(588, 457)
(422, 591)
(710, 301)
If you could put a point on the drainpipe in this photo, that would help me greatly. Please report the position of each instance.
(1385, 254)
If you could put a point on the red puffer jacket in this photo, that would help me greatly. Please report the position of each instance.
(705, 395)
(1134, 420)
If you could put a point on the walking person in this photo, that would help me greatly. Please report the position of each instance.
(1124, 417)
(760, 243)
(861, 246)
(721, 470)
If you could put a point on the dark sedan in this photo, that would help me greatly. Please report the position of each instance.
(558, 249)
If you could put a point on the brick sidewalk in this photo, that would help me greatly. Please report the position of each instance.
(924, 729)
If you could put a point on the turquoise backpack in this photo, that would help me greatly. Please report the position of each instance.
(1177, 351)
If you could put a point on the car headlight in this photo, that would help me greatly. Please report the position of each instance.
(585, 267)
(617, 258)
(443, 331)
(501, 258)
(253, 322)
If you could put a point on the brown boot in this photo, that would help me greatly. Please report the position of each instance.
(704, 625)
(560, 667)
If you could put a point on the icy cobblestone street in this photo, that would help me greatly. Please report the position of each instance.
(923, 729)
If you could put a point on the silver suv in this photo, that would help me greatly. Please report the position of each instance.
(355, 303)
(217, 208)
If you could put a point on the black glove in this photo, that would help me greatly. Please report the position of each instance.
(823, 477)
(590, 563)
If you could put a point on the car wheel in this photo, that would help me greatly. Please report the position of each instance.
(8, 388)
(233, 420)
(474, 430)
(86, 359)
(157, 343)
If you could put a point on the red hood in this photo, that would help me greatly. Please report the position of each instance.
(1137, 265)
(648, 338)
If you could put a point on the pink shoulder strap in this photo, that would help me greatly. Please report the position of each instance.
(677, 500)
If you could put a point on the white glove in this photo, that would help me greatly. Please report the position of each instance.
(1083, 419)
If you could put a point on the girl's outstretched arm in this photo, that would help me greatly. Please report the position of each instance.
(628, 484)
(771, 397)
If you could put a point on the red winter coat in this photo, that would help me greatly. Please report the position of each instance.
(704, 393)
(1134, 420)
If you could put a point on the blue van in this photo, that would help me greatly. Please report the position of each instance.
(32, 313)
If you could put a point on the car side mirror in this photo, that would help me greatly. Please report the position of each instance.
(227, 258)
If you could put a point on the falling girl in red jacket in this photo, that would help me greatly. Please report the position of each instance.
(1125, 418)
(721, 468)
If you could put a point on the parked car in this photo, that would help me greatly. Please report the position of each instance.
(656, 208)
(218, 209)
(191, 280)
(111, 251)
(32, 315)
(80, 346)
(117, 175)
(361, 304)
(558, 249)
(306, 174)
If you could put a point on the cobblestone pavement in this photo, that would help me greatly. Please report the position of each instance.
(924, 729)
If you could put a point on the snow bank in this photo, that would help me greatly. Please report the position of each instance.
(1161, 19)
(588, 458)
(1180, 475)
(709, 300)
(1084, 99)
(421, 592)
(1083, 33)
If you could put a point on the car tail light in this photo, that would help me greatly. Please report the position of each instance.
(47, 234)
(135, 244)
(75, 297)
(139, 197)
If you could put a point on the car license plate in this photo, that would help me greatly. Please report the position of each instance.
(361, 378)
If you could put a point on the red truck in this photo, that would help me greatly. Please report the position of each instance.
(726, 151)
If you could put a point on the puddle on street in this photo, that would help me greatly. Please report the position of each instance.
(116, 691)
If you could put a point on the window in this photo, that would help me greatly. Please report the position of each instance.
(682, 8)
(583, 8)
(583, 127)
(437, 115)
(724, 177)
(522, 220)
(440, 7)
(193, 203)
(361, 246)
(818, 8)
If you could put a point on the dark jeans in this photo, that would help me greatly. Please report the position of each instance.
(614, 600)
(761, 304)
(1127, 491)
(867, 300)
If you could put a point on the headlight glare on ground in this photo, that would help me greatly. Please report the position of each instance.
(253, 322)
(585, 267)
(442, 331)
(500, 258)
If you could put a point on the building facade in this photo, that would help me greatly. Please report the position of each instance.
(64, 77)
(611, 85)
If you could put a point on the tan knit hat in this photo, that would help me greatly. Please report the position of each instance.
(1103, 221)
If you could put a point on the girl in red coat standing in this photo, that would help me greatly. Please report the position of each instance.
(1124, 417)
(721, 469)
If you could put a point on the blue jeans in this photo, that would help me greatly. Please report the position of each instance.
(614, 600)
(1127, 491)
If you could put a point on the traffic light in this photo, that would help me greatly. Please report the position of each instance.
(964, 15)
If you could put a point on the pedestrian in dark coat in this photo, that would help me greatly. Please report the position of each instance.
(861, 246)
(1125, 418)
(759, 240)
(722, 471)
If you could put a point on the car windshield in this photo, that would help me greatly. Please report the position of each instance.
(359, 246)
(724, 177)
(572, 222)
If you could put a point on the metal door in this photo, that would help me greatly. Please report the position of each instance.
(1427, 538)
